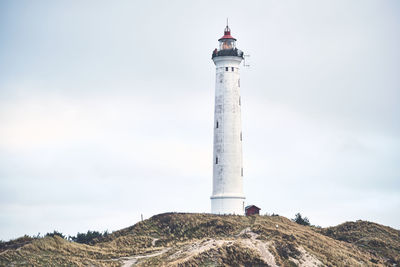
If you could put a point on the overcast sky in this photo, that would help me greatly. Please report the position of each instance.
(106, 110)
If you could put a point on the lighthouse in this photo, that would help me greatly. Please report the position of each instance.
(227, 195)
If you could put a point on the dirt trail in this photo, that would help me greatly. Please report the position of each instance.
(246, 238)
(130, 261)
(258, 245)
(306, 259)
(153, 242)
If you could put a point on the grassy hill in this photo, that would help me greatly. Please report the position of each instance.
(375, 238)
(176, 239)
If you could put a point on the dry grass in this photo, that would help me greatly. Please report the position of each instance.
(16, 243)
(290, 244)
(375, 238)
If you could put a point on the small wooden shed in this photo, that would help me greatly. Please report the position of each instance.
(252, 209)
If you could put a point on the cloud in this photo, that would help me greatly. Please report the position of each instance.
(106, 111)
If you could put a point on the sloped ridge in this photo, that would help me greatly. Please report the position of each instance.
(54, 251)
(182, 239)
(184, 226)
(16, 243)
(375, 238)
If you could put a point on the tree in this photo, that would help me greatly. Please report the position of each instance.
(300, 220)
(89, 237)
(54, 233)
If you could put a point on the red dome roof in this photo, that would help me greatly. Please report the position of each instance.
(227, 34)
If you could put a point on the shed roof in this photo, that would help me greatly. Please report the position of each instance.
(249, 206)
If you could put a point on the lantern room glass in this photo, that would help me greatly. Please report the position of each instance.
(225, 44)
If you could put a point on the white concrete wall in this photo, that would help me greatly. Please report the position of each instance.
(227, 196)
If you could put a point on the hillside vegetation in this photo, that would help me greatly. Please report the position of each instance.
(375, 238)
(176, 239)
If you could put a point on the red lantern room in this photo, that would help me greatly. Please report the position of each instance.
(227, 41)
(227, 46)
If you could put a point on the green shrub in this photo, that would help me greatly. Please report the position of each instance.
(89, 238)
(54, 233)
(300, 220)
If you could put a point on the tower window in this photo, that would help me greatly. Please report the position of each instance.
(242, 172)
(233, 69)
(226, 68)
(216, 160)
(240, 136)
(239, 82)
(240, 102)
(216, 126)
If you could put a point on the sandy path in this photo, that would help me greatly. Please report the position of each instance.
(129, 261)
(258, 245)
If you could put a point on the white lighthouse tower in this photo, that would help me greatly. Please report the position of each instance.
(227, 196)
